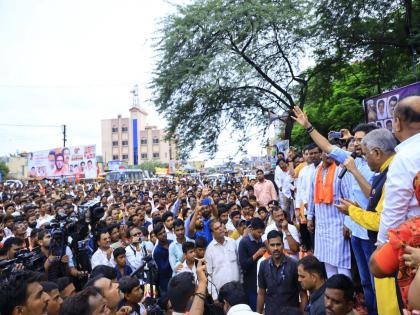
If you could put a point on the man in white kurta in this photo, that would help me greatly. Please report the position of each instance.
(330, 245)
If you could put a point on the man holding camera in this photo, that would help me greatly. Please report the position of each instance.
(56, 266)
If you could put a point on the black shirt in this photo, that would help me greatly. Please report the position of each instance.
(316, 304)
(280, 283)
(248, 247)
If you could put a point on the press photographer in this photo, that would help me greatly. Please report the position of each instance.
(57, 256)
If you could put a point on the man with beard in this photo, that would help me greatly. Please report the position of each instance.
(55, 301)
(312, 278)
(103, 255)
(148, 209)
(200, 219)
(264, 189)
(55, 266)
(59, 164)
(291, 240)
(23, 294)
(168, 221)
(10, 247)
(161, 257)
(360, 188)
(330, 246)
(223, 212)
(176, 255)
(135, 251)
(339, 296)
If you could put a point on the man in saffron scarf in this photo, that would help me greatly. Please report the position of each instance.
(331, 247)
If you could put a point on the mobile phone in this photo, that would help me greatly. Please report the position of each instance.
(335, 135)
(197, 260)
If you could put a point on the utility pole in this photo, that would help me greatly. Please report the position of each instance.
(64, 135)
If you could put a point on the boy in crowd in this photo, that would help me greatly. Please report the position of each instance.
(133, 295)
(121, 268)
(188, 248)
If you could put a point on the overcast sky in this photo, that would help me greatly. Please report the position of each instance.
(74, 63)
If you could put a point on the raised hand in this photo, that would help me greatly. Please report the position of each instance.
(300, 117)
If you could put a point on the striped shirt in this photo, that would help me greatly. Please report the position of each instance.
(330, 246)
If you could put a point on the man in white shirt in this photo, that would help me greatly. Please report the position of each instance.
(168, 222)
(135, 251)
(400, 200)
(291, 238)
(221, 258)
(284, 183)
(234, 299)
(103, 255)
(303, 186)
(43, 218)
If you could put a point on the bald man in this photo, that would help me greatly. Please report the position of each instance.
(400, 200)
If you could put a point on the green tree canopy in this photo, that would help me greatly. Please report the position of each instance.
(228, 63)
(4, 170)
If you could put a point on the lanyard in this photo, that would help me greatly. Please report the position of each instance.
(282, 274)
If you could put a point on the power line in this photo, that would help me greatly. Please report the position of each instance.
(37, 126)
(69, 86)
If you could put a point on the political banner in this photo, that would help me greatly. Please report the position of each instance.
(116, 165)
(282, 146)
(78, 162)
(379, 109)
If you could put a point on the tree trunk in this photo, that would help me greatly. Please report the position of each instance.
(288, 129)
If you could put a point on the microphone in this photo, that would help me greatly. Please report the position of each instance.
(344, 170)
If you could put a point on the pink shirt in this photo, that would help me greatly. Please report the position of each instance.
(265, 192)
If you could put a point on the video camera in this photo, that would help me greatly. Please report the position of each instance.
(31, 260)
(147, 272)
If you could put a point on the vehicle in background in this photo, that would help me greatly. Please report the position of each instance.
(13, 183)
(127, 175)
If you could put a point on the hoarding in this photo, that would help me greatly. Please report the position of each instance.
(379, 109)
(78, 161)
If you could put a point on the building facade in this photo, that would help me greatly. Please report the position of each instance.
(18, 166)
(132, 140)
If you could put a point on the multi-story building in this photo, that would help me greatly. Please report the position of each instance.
(131, 140)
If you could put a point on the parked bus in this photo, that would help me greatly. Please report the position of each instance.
(126, 175)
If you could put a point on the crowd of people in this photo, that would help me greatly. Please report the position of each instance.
(340, 217)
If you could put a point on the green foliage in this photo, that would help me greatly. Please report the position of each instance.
(228, 63)
(4, 170)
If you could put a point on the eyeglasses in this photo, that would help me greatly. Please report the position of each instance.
(136, 234)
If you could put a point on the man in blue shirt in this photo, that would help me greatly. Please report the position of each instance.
(360, 190)
(251, 248)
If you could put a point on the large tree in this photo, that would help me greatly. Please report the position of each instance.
(230, 63)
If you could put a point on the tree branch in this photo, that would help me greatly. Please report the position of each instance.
(289, 65)
(261, 72)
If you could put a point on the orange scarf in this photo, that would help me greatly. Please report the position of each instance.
(324, 190)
